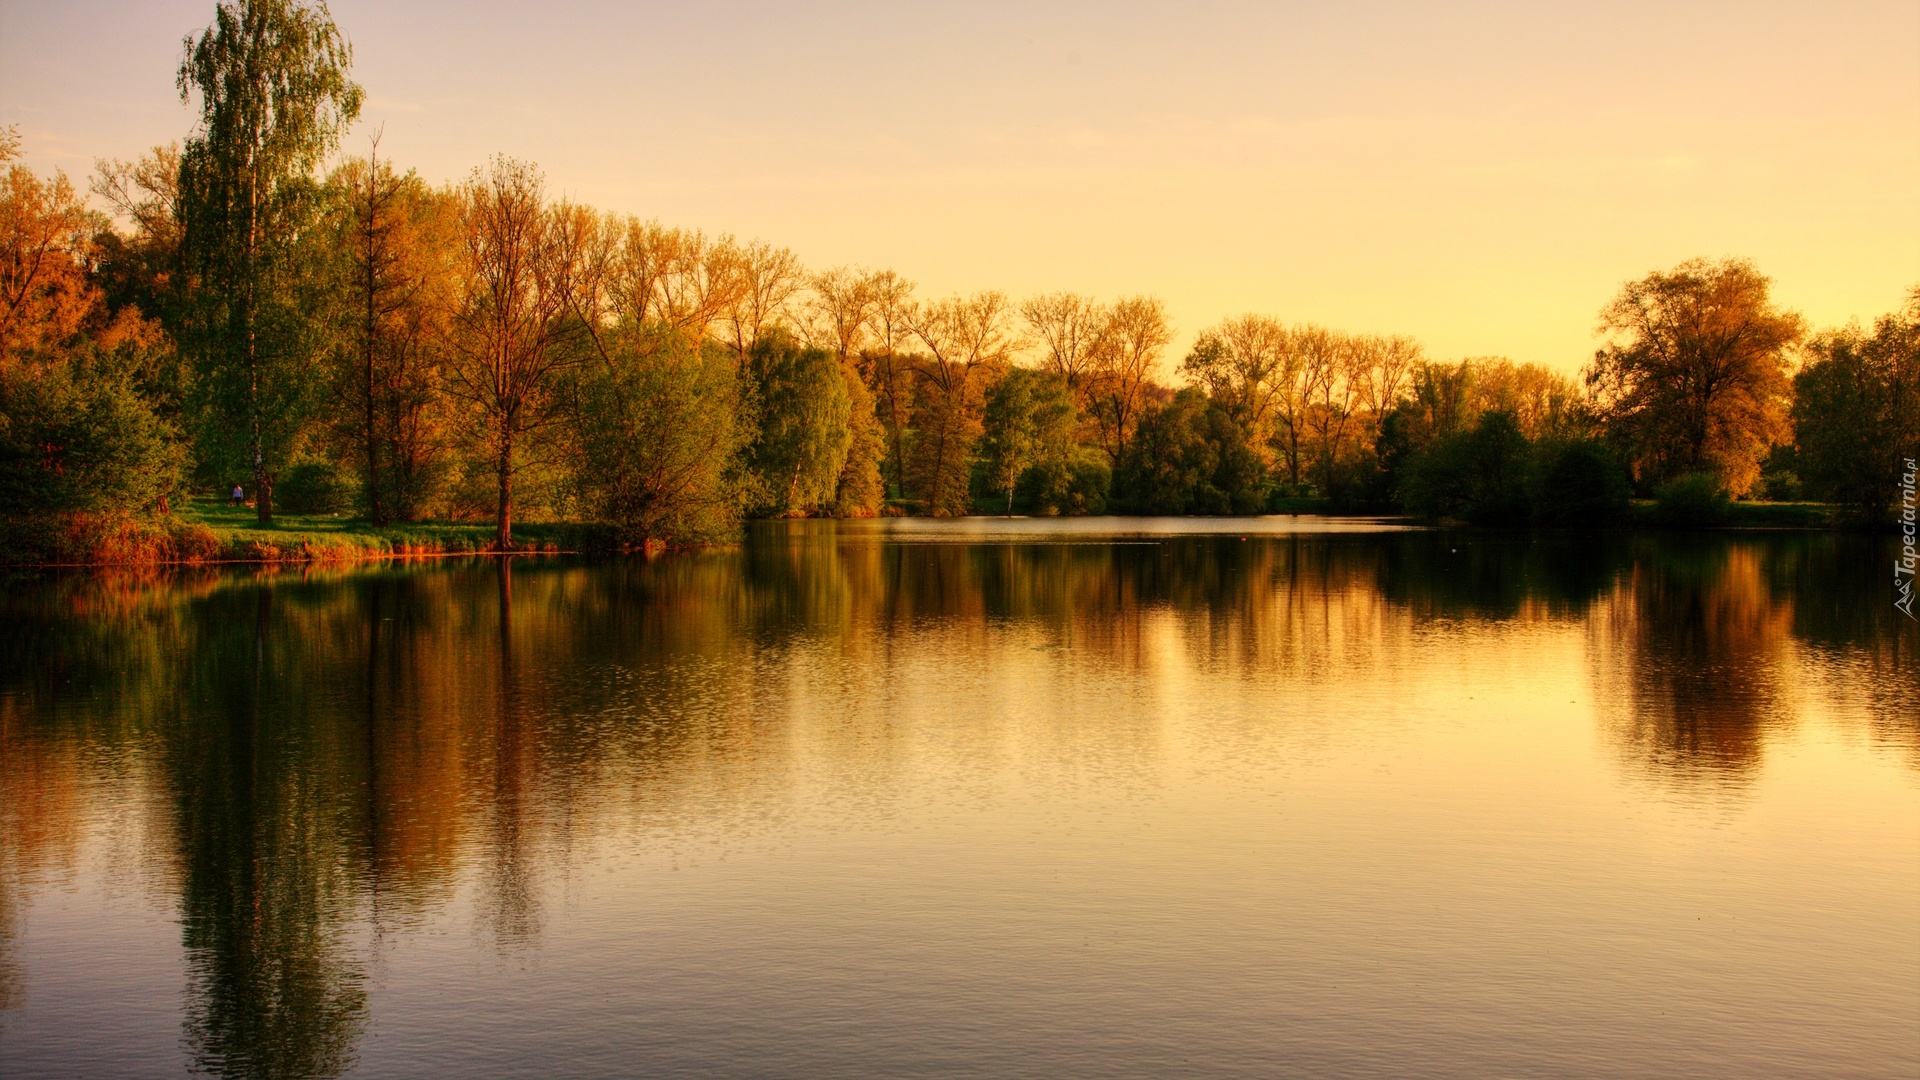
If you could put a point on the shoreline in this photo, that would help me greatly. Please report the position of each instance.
(198, 537)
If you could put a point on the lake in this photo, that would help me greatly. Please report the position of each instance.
(1275, 797)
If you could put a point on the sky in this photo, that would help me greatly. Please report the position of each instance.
(1481, 176)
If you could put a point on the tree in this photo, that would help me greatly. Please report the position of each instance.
(75, 433)
(399, 240)
(965, 337)
(1476, 473)
(657, 435)
(46, 236)
(514, 325)
(1856, 411)
(804, 430)
(271, 76)
(1190, 456)
(840, 316)
(890, 367)
(768, 278)
(1029, 419)
(1122, 378)
(1072, 331)
(1694, 378)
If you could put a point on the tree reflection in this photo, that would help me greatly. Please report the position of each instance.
(1693, 659)
(262, 787)
(334, 750)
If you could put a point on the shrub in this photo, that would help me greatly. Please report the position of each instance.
(1580, 483)
(79, 437)
(1696, 500)
(1072, 486)
(315, 487)
(1478, 474)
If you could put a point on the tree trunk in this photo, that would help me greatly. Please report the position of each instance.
(374, 507)
(503, 532)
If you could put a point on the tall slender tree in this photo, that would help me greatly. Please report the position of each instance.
(274, 94)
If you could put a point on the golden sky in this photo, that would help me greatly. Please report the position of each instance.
(1482, 176)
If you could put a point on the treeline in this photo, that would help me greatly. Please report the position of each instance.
(349, 338)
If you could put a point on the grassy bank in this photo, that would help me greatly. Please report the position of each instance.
(208, 530)
(1743, 515)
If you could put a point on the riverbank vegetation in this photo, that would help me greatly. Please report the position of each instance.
(331, 335)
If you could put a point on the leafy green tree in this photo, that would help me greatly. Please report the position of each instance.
(1856, 411)
(1029, 418)
(77, 435)
(1579, 482)
(274, 98)
(1190, 457)
(1478, 474)
(658, 435)
(860, 489)
(805, 432)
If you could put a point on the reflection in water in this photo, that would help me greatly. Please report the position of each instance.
(331, 750)
(266, 786)
(1703, 672)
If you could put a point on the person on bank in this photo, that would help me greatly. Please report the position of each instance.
(239, 496)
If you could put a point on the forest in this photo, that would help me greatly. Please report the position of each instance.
(255, 311)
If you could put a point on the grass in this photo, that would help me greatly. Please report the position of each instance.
(239, 526)
(210, 530)
(1749, 514)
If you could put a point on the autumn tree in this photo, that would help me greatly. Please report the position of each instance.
(767, 280)
(1693, 378)
(968, 341)
(399, 240)
(513, 326)
(75, 432)
(1071, 331)
(1122, 384)
(274, 98)
(889, 363)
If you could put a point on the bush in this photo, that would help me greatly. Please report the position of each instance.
(78, 437)
(1779, 486)
(1580, 483)
(1478, 474)
(315, 487)
(1693, 501)
(1060, 487)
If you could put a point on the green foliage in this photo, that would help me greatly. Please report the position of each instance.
(1477, 474)
(657, 440)
(1579, 482)
(1058, 486)
(79, 437)
(860, 490)
(1029, 452)
(316, 487)
(1190, 457)
(804, 434)
(274, 98)
(1694, 501)
(1856, 413)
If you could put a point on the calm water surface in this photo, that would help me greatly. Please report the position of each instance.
(1274, 798)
